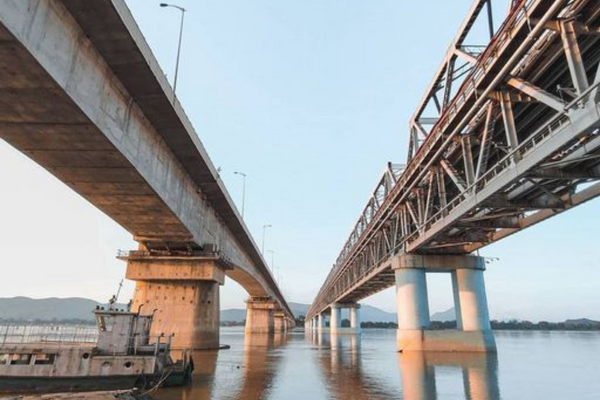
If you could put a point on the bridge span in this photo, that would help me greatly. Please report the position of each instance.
(506, 136)
(82, 95)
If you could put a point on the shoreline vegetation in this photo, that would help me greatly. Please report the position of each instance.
(582, 324)
(511, 325)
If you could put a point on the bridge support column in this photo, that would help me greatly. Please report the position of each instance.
(355, 318)
(474, 331)
(472, 301)
(279, 322)
(260, 316)
(336, 315)
(335, 322)
(183, 292)
(321, 322)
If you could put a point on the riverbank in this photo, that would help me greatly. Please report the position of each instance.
(112, 395)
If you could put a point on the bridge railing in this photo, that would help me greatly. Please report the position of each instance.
(527, 146)
(22, 334)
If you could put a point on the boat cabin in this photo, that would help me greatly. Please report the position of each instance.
(122, 332)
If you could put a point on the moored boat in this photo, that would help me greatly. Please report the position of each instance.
(123, 356)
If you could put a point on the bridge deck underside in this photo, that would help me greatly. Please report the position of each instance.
(89, 105)
(436, 207)
(38, 118)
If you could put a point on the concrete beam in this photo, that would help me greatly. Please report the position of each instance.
(437, 262)
(175, 269)
(260, 316)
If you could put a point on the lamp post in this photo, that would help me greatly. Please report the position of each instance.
(263, 237)
(183, 10)
(243, 175)
(272, 261)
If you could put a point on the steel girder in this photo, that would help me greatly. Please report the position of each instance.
(518, 142)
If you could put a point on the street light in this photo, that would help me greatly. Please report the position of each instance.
(183, 10)
(272, 261)
(243, 175)
(263, 237)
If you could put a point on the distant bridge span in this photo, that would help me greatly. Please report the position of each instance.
(506, 136)
(82, 95)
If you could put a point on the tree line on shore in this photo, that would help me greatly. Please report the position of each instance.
(513, 324)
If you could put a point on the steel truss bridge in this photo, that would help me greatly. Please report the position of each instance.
(506, 136)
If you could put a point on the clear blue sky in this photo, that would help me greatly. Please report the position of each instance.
(310, 99)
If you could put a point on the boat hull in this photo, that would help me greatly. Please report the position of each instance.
(28, 384)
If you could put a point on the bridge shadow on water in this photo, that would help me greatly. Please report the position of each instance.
(345, 367)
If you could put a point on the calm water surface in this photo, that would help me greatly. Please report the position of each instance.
(529, 365)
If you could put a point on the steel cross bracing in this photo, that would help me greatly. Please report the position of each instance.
(514, 139)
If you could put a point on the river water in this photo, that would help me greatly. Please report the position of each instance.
(528, 365)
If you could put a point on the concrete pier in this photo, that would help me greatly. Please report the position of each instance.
(411, 298)
(335, 325)
(279, 322)
(260, 316)
(183, 292)
(355, 318)
(470, 290)
(473, 331)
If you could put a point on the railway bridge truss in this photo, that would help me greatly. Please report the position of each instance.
(506, 136)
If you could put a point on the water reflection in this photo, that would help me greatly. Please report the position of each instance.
(298, 367)
(343, 372)
(205, 365)
(260, 365)
(224, 375)
(479, 374)
(347, 378)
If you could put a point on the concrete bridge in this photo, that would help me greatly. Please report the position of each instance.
(507, 135)
(82, 95)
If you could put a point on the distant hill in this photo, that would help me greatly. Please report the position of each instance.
(583, 322)
(77, 308)
(51, 309)
(233, 315)
(367, 313)
(444, 316)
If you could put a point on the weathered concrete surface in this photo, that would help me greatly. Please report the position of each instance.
(82, 95)
(183, 292)
(279, 323)
(260, 316)
(190, 310)
(175, 269)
